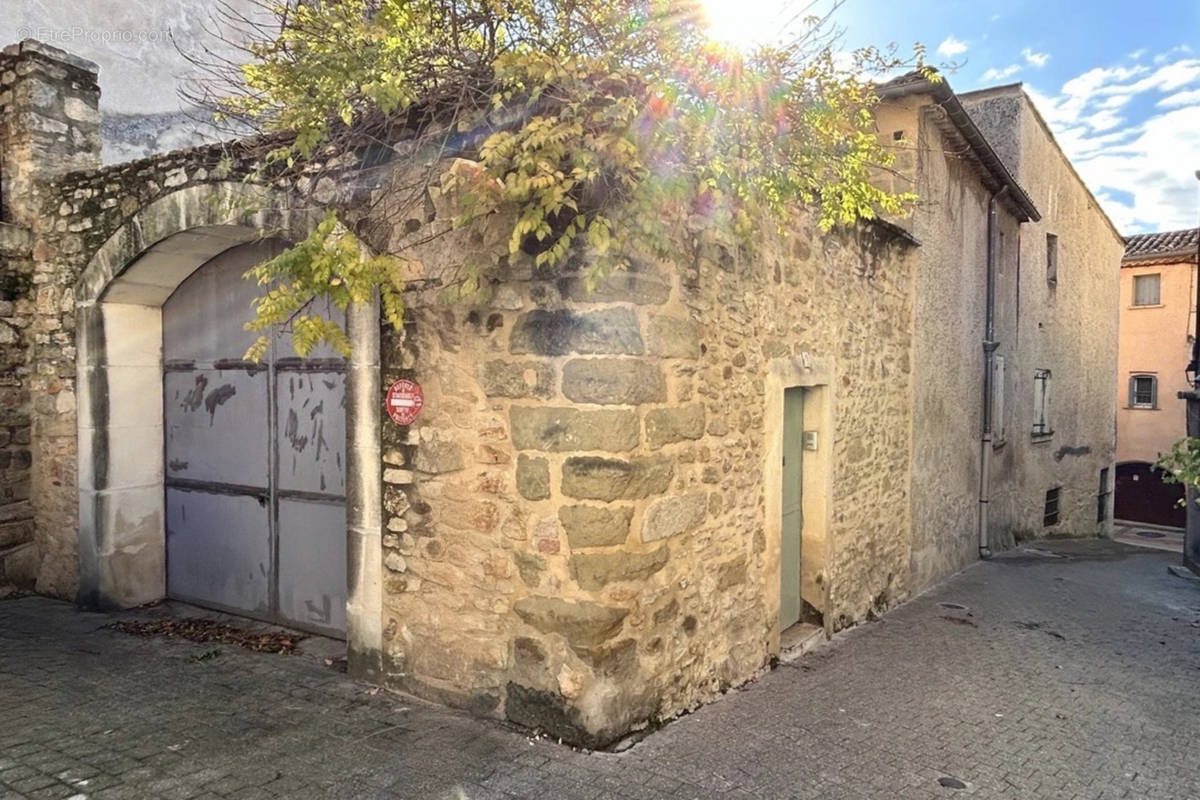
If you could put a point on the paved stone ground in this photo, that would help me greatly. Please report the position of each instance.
(1077, 677)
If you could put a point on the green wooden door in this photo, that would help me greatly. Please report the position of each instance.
(789, 549)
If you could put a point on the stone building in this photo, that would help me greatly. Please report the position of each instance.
(614, 504)
(1158, 307)
(167, 39)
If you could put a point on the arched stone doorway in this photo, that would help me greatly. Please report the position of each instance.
(123, 474)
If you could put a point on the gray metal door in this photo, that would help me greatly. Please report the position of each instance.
(789, 543)
(255, 455)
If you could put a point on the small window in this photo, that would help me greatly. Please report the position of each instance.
(1041, 403)
(1147, 290)
(1143, 391)
(1050, 511)
(1052, 258)
(1102, 497)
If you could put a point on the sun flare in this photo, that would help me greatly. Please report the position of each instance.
(745, 24)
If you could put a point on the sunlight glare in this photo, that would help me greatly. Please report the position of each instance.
(745, 24)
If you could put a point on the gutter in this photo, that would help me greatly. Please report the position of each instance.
(989, 349)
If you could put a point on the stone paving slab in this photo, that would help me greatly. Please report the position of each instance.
(1035, 675)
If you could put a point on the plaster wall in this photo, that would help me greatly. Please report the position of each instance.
(1154, 341)
(951, 222)
(1068, 326)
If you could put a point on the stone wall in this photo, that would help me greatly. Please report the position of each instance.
(575, 526)
(60, 209)
(17, 555)
(48, 125)
(581, 532)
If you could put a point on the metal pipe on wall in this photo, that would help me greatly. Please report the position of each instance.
(989, 348)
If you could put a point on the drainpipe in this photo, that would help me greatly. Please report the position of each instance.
(989, 348)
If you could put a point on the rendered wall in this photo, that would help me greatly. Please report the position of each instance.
(950, 221)
(1068, 327)
(1154, 340)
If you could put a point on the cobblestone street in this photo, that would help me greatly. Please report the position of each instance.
(1035, 675)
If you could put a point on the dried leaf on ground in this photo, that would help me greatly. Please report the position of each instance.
(206, 630)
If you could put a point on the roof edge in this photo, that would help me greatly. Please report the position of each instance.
(1037, 115)
(948, 100)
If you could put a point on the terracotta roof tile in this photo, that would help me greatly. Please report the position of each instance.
(1149, 245)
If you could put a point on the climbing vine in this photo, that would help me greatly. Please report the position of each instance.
(595, 131)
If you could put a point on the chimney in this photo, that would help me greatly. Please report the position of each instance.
(49, 122)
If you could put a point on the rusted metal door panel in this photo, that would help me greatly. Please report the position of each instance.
(312, 564)
(255, 458)
(216, 425)
(219, 550)
(312, 431)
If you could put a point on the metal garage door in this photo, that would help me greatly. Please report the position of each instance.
(255, 483)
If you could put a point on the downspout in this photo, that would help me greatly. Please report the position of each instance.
(989, 348)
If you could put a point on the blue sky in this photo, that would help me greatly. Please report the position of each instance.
(1117, 81)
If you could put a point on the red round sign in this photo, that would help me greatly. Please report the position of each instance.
(404, 401)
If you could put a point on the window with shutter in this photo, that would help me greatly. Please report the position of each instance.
(1051, 258)
(1041, 403)
(999, 429)
(1051, 508)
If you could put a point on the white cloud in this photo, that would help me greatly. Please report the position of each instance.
(1000, 74)
(1141, 170)
(1162, 57)
(1036, 59)
(951, 47)
(1103, 120)
(1113, 102)
(1189, 98)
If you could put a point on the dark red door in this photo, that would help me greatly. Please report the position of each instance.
(1143, 497)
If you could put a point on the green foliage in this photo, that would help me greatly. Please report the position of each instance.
(603, 128)
(328, 263)
(1182, 464)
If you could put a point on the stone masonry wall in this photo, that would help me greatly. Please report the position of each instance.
(48, 125)
(17, 554)
(79, 212)
(575, 524)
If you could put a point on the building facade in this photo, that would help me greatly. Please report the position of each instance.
(614, 503)
(1011, 285)
(1158, 307)
(1057, 324)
